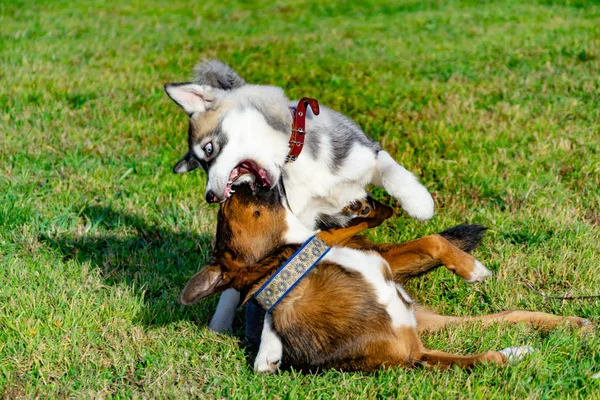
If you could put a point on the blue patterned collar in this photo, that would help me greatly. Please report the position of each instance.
(290, 273)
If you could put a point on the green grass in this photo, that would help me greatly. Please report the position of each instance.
(495, 105)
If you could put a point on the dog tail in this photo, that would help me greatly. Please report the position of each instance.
(465, 237)
(404, 186)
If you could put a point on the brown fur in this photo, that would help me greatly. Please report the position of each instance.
(332, 318)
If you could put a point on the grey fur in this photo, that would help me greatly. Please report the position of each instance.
(186, 164)
(325, 222)
(313, 143)
(217, 74)
(220, 138)
(344, 134)
(277, 121)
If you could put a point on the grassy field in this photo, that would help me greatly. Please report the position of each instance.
(495, 105)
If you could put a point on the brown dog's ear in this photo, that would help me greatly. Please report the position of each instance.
(186, 164)
(208, 281)
(193, 97)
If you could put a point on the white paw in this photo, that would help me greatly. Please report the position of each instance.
(418, 203)
(513, 354)
(479, 274)
(268, 359)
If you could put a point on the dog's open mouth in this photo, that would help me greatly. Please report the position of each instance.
(247, 171)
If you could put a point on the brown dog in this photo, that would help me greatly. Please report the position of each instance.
(349, 312)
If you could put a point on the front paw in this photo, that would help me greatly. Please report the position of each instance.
(267, 363)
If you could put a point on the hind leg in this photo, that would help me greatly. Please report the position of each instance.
(442, 359)
(429, 321)
(420, 256)
(404, 186)
(406, 349)
(536, 319)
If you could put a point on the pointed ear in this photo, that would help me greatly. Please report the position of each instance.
(186, 164)
(208, 281)
(192, 97)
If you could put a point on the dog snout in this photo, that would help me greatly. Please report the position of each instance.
(211, 197)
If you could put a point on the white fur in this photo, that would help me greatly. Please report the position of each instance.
(223, 319)
(270, 352)
(404, 186)
(403, 293)
(296, 231)
(199, 151)
(312, 189)
(249, 137)
(369, 265)
(194, 98)
(479, 274)
(516, 353)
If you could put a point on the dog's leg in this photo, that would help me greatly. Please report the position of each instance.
(255, 319)
(270, 351)
(429, 321)
(420, 256)
(404, 186)
(442, 359)
(406, 349)
(536, 319)
(222, 321)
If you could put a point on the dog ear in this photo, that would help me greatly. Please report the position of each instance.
(208, 281)
(217, 74)
(193, 97)
(186, 164)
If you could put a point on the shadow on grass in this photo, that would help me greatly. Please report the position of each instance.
(155, 262)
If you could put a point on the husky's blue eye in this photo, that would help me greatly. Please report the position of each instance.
(208, 148)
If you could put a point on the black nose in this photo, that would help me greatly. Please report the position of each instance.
(211, 197)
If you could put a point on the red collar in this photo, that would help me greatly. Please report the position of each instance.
(298, 124)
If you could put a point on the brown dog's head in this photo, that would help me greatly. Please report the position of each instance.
(251, 224)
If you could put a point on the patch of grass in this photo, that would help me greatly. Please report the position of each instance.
(495, 105)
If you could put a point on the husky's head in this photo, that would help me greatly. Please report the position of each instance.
(237, 132)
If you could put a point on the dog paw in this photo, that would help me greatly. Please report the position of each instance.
(266, 366)
(582, 323)
(418, 204)
(267, 361)
(269, 355)
(359, 208)
(479, 273)
(514, 354)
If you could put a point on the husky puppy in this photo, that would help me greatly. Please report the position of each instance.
(240, 132)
